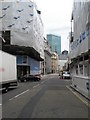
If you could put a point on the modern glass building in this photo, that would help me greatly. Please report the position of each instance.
(55, 43)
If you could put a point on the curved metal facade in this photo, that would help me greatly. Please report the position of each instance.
(23, 21)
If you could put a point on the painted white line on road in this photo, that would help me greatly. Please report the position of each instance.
(11, 98)
(86, 103)
(19, 95)
(36, 85)
(0, 104)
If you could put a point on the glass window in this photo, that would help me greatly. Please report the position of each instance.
(24, 59)
(81, 69)
(89, 69)
(86, 69)
(76, 69)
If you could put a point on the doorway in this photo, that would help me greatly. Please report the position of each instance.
(22, 70)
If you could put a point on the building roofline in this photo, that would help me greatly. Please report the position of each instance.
(54, 35)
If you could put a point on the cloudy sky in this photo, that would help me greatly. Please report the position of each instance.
(56, 16)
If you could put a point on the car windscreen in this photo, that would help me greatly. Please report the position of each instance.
(66, 72)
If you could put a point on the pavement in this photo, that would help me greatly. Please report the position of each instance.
(78, 94)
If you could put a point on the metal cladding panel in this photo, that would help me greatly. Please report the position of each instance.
(22, 39)
(82, 85)
(19, 59)
(81, 30)
(34, 66)
(38, 32)
(8, 69)
(7, 8)
(0, 16)
(24, 22)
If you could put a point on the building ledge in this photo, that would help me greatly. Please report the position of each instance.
(22, 50)
(82, 54)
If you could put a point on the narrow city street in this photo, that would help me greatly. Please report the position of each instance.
(48, 98)
(44, 59)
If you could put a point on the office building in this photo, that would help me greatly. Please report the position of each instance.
(54, 58)
(55, 43)
(46, 65)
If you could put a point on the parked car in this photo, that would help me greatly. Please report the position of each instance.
(29, 77)
(66, 75)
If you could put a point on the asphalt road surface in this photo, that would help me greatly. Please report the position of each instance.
(48, 98)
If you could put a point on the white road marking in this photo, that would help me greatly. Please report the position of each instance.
(11, 98)
(36, 85)
(0, 104)
(19, 95)
(86, 103)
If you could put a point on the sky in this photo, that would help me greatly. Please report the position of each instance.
(56, 17)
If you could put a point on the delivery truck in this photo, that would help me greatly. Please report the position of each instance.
(8, 71)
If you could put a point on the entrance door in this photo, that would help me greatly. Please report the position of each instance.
(26, 70)
(22, 70)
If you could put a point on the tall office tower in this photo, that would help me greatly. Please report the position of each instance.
(55, 43)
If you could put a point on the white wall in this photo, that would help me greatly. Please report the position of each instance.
(81, 85)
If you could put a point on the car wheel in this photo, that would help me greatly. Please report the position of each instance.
(25, 80)
(6, 90)
(38, 79)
